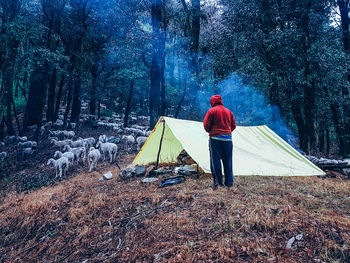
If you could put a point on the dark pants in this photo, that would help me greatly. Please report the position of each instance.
(221, 151)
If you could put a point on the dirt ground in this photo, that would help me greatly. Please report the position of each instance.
(82, 219)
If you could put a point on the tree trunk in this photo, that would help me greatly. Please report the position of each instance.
(58, 99)
(195, 31)
(2, 127)
(310, 85)
(194, 87)
(8, 82)
(299, 120)
(154, 96)
(128, 104)
(69, 99)
(345, 20)
(99, 109)
(16, 118)
(51, 96)
(181, 101)
(34, 109)
(92, 106)
(76, 105)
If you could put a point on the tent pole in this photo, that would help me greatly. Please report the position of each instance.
(198, 175)
(161, 141)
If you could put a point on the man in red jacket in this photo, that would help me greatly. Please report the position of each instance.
(219, 122)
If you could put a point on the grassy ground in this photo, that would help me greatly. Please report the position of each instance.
(82, 219)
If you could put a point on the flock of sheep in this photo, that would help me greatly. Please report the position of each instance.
(81, 150)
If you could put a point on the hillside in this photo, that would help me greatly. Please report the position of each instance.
(82, 219)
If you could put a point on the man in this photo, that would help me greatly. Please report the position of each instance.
(219, 122)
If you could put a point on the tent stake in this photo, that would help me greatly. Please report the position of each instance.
(161, 141)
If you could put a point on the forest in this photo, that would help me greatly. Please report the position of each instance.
(284, 63)
(103, 153)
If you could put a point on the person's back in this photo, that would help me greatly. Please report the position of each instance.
(219, 122)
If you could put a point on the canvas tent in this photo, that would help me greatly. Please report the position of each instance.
(257, 149)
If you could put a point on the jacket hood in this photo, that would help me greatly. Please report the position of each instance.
(216, 100)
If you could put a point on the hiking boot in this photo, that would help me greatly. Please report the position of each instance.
(214, 186)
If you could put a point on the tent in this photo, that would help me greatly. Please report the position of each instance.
(257, 149)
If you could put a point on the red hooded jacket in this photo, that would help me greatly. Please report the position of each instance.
(219, 120)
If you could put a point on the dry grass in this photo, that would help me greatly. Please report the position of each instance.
(109, 221)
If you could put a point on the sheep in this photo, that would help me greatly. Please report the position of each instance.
(139, 127)
(78, 143)
(79, 152)
(61, 143)
(140, 141)
(28, 144)
(89, 141)
(52, 138)
(3, 155)
(128, 140)
(93, 157)
(73, 125)
(102, 138)
(148, 133)
(61, 164)
(2, 144)
(32, 128)
(58, 123)
(69, 134)
(42, 130)
(108, 147)
(70, 156)
(26, 152)
(10, 139)
(63, 134)
(22, 139)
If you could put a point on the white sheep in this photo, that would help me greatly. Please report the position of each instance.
(69, 134)
(89, 142)
(22, 139)
(58, 123)
(79, 152)
(10, 139)
(93, 157)
(33, 127)
(140, 141)
(128, 140)
(73, 125)
(26, 152)
(61, 144)
(108, 147)
(3, 155)
(78, 143)
(61, 165)
(102, 138)
(28, 144)
(70, 156)
(2, 144)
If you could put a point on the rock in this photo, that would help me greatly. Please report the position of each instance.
(299, 237)
(140, 171)
(107, 176)
(186, 169)
(290, 242)
(149, 179)
(127, 173)
(157, 257)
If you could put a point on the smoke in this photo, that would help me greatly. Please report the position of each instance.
(249, 106)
